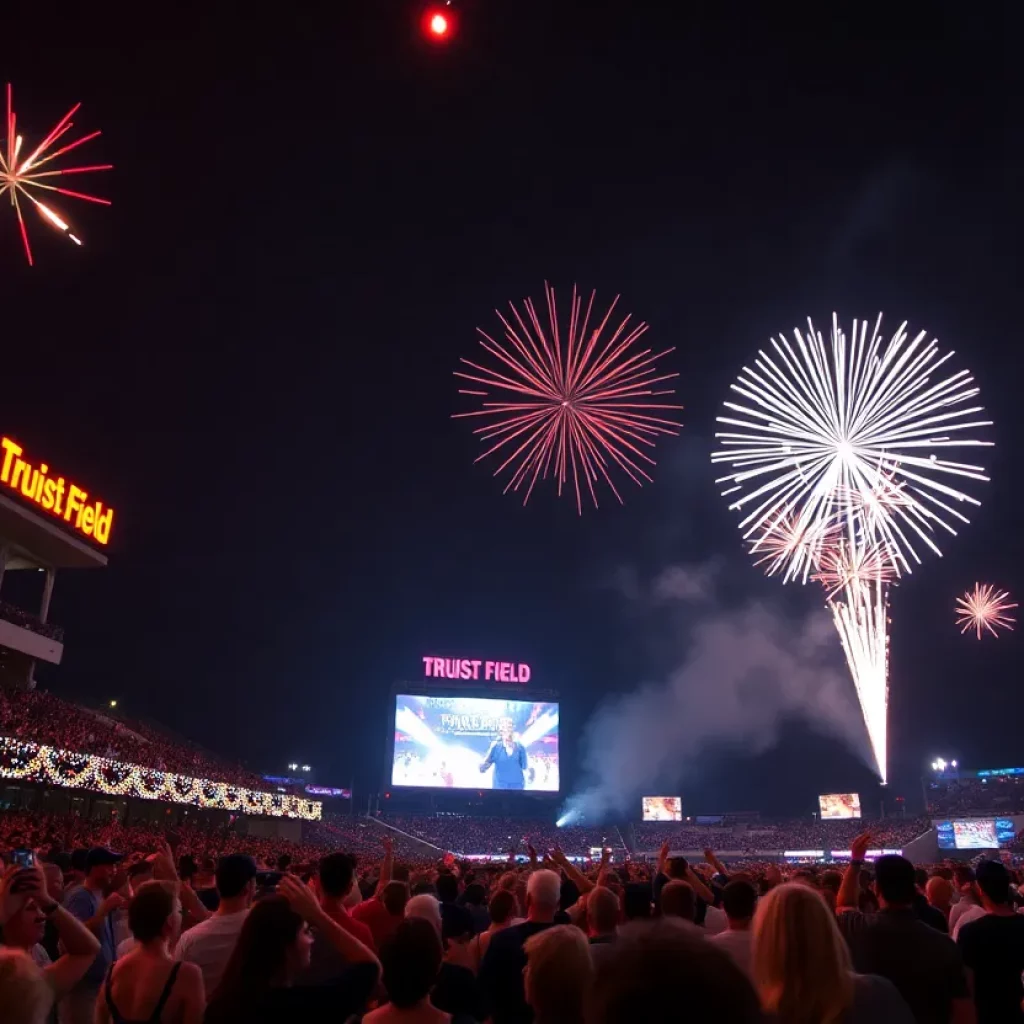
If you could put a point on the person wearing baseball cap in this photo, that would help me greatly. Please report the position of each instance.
(93, 903)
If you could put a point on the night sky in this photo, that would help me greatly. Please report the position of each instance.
(251, 357)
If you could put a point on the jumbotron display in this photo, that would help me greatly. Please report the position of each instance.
(834, 806)
(475, 743)
(663, 808)
(975, 833)
(34, 762)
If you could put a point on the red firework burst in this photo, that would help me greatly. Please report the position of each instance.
(573, 408)
(24, 176)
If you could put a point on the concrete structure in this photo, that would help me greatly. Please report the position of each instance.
(33, 543)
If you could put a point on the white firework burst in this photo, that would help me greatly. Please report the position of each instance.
(843, 461)
(822, 421)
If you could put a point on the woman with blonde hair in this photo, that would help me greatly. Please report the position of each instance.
(801, 966)
(557, 975)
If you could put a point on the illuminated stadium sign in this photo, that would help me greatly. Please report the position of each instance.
(63, 500)
(345, 794)
(466, 668)
(475, 743)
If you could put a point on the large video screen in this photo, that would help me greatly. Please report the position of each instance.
(839, 805)
(663, 808)
(475, 743)
(974, 833)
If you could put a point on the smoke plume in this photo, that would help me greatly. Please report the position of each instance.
(739, 673)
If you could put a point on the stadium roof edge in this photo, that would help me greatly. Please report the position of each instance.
(40, 539)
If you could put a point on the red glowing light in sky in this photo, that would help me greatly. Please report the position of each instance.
(22, 177)
(568, 403)
(439, 23)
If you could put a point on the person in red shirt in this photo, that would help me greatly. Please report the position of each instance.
(336, 877)
(382, 913)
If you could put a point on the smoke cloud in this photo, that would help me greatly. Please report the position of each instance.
(740, 673)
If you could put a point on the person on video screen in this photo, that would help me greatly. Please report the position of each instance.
(508, 756)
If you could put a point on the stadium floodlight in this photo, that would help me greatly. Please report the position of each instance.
(953, 764)
(306, 768)
(939, 765)
(293, 767)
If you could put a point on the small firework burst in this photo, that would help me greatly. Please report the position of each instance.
(848, 566)
(985, 608)
(31, 177)
(787, 544)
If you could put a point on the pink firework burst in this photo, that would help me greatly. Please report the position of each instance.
(984, 607)
(572, 406)
(796, 546)
(845, 566)
(29, 177)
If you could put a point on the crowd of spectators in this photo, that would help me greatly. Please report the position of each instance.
(494, 836)
(20, 617)
(41, 717)
(795, 834)
(995, 794)
(649, 835)
(127, 923)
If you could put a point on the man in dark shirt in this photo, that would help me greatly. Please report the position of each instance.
(923, 964)
(993, 949)
(456, 920)
(501, 972)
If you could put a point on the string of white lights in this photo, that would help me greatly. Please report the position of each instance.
(34, 762)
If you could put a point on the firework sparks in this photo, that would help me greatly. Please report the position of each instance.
(850, 443)
(861, 615)
(30, 178)
(822, 422)
(985, 608)
(876, 502)
(845, 566)
(569, 405)
(786, 543)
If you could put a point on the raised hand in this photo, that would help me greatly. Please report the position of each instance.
(302, 900)
(115, 901)
(17, 886)
(859, 847)
(163, 865)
